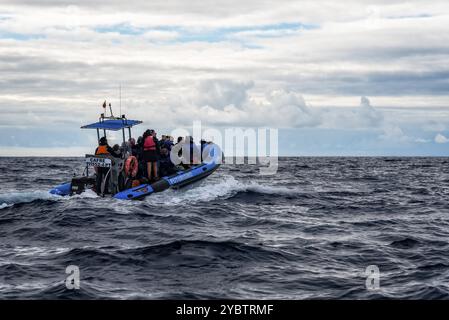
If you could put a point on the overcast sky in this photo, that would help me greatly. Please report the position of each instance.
(350, 77)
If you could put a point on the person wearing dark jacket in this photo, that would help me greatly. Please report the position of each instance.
(194, 151)
(158, 143)
(102, 149)
(203, 145)
(116, 152)
(166, 167)
(168, 144)
(132, 147)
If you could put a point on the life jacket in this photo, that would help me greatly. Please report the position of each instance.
(149, 144)
(102, 150)
(131, 166)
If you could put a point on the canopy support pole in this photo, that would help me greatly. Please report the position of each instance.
(104, 132)
(123, 132)
(98, 134)
(129, 131)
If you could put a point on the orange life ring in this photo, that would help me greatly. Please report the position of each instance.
(131, 166)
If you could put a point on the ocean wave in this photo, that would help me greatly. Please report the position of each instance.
(10, 199)
(5, 205)
(58, 290)
(22, 287)
(35, 251)
(307, 232)
(226, 250)
(177, 251)
(405, 243)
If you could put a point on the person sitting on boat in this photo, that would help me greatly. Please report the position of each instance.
(139, 147)
(203, 143)
(191, 154)
(166, 166)
(132, 147)
(178, 146)
(168, 143)
(180, 142)
(150, 154)
(116, 151)
(162, 141)
(195, 152)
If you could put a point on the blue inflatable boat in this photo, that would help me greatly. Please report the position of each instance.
(176, 181)
(115, 177)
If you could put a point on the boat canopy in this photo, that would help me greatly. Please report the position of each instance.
(114, 125)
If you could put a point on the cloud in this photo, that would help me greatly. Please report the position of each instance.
(422, 140)
(220, 93)
(287, 108)
(231, 103)
(366, 112)
(439, 138)
(356, 52)
(394, 133)
(299, 64)
(161, 35)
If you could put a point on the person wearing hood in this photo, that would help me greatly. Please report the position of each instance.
(132, 147)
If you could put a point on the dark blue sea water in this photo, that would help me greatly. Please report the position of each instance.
(308, 232)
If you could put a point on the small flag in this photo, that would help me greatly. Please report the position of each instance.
(104, 104)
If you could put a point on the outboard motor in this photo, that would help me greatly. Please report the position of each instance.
(80, 184)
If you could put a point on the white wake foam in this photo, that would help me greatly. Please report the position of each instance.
(87, 194)
(208, 190)
(255, 187)
(9, 199)
(211, 189)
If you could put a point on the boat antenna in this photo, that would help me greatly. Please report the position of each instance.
(110, 109)
(120, 90)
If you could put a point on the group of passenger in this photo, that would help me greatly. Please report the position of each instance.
(152, 154)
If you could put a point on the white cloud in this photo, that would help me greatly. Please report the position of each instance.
(366, 112)
(160, 35)
(220, 93)
(229, 63)
(422, 140)
(394, 133)
(230, 103)
(439, 138)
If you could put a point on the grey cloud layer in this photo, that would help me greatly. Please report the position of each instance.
(240, 76)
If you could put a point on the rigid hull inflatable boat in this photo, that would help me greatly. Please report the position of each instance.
(116, 173)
